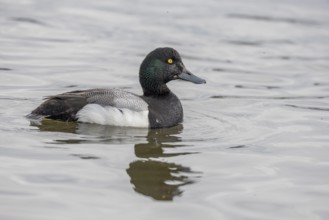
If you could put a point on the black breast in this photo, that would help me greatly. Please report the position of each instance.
(164, 110)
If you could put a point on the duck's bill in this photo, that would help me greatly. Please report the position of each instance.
(188, 76)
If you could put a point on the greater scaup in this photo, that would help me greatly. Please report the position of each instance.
(158, 107)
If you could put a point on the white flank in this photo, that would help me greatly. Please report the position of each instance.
(108, 115)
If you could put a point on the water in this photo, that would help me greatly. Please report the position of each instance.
(254, 143)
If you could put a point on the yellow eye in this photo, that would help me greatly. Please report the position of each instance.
(170, 61)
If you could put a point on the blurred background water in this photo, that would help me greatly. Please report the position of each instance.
(255, 139)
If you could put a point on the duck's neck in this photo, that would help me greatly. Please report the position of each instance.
(156, 90)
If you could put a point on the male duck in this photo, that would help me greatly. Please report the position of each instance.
(158, 107)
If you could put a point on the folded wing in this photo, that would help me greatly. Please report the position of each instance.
(66, 106)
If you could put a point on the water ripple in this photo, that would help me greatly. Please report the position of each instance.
(273, 19)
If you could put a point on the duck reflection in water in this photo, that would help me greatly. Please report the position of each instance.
(153, 177)
(149, 174)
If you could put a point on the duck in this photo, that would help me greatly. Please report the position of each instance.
(158, 107)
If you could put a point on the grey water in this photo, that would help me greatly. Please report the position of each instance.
(254, 143)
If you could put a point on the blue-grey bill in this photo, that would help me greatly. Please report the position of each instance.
(188, 76)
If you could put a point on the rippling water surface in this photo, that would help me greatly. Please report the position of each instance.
(255, 139)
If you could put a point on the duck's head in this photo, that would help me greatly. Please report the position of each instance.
(161, 66)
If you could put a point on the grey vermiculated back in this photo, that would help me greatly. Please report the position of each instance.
(116, 98)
